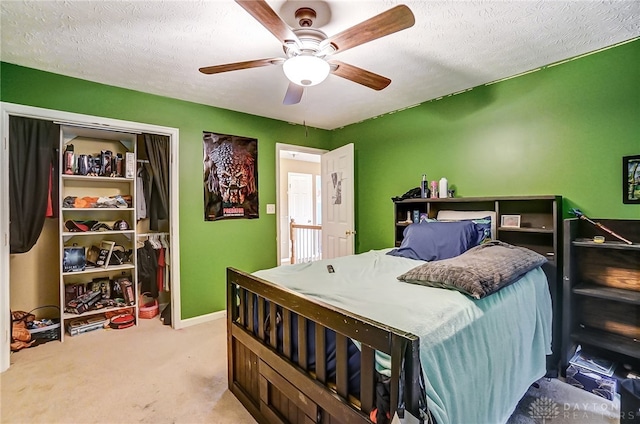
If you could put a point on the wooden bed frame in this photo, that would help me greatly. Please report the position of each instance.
(275, 389)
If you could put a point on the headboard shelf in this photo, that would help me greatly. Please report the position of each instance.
(528, 230)
(537, 226)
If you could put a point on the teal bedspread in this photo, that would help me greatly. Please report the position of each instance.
(478, 357)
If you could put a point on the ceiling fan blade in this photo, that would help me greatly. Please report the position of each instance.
(359, 75)
(393, 20)
(293, 95)
(264, 14)
(240, 65)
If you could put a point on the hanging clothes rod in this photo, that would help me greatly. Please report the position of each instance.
(151, 234)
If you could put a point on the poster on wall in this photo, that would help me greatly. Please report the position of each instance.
(230, 176)
(336, 180)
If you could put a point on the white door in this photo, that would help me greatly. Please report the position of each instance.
(338, 218)
(300, 198)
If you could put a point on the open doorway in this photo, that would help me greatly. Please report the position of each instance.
(299, 195)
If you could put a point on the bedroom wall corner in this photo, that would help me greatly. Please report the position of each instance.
(561, 130)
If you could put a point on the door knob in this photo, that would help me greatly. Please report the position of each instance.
(350, 232)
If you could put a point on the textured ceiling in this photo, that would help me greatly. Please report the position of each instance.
(158, 46)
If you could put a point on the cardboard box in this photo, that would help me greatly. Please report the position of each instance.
(591, 381)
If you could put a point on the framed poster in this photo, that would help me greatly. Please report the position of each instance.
(230, 176)
(631, 179)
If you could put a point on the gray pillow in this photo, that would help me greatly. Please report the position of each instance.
(479, 271)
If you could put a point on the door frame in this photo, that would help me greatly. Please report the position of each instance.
(12, 109)
(290, 148)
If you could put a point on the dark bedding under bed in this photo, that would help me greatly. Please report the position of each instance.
(353, 353)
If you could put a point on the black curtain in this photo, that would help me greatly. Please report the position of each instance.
(33, 178)
(157, 147)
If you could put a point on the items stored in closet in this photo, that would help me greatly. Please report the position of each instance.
(154, 273)
(97, 237)
(75, 191)
(152, 209)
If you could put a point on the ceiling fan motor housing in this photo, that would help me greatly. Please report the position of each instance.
(305, 17)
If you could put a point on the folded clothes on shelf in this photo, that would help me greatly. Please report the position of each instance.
(117, 201)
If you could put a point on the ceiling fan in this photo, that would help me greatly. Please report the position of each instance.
(308, 50)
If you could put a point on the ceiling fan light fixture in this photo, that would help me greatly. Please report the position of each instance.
(306, 70)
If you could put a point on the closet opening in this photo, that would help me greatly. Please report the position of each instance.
(38, 277)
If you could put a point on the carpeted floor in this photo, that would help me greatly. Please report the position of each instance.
(153, 374)
(555, 402)
(144, 374)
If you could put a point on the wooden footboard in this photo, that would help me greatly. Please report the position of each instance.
(277, 385)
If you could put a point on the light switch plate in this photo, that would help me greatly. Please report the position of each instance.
(271, 208)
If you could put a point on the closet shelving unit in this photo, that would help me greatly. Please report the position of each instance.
(90, 141)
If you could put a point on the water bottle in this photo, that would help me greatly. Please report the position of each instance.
(424, 187)
(443, 189)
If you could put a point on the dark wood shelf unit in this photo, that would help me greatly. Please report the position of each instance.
(540, 230)
(527, 230)
(538, 214)
(609, 293)
(614, 245)
(601, 306)
(608, 341)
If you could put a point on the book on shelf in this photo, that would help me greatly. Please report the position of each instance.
(106, 248)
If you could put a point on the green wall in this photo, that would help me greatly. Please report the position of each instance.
(561, 130)
(206, 248)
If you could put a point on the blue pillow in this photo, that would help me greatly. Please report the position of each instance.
(484, 227)
(433, 241)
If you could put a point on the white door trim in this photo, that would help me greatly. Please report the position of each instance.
(291, 148)
(7, 109)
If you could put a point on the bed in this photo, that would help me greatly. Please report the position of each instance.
(344, 340)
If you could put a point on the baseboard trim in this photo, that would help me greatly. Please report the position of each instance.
(201, 319)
